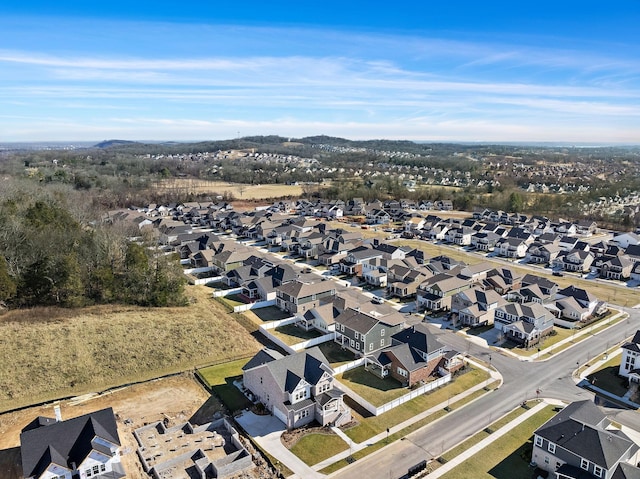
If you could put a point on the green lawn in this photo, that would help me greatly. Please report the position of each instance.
(291, 334)
(335, 354)
(270, 313)
(506, 458)
(476, 438)
(402, 433)
(314, 448)
(372, 425)
(220, 379)
(374, 389)
(607, 378)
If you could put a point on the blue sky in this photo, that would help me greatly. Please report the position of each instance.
(466, 71)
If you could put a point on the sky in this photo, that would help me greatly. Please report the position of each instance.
(563, 71)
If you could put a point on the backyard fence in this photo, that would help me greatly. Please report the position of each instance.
(256, 305)
(377, 410)
(212, 279)
(226, 292)
(204, 269)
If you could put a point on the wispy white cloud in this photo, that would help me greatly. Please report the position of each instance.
(415, 87)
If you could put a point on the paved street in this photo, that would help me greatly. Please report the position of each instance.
(552, 378)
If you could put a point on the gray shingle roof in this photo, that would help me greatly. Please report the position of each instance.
(65, 442)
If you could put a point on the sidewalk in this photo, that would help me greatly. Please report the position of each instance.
(354, 447)
(485, 442)
(545, 351)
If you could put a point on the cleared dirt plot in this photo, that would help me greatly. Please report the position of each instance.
(237, 190)
(47, 354)
(176, 399)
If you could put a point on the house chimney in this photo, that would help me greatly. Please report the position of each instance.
(56, 410)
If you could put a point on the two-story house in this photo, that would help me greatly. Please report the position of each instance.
(435, 293)
(363, 333)
(297, 389)
(579, 442)
(83, 447)
(298, 297)
(630, 364)
(475, 307)
(415, 355)
(524, 323)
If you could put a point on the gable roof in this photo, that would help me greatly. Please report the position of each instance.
(288, 371)
(580, 429)
(66, 442)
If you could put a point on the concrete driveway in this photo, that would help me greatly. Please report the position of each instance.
(266, 431)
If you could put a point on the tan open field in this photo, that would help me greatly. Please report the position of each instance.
(239, 191)
(48, 353)
(176, 398)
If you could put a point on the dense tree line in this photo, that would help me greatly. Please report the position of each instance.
(54, 250)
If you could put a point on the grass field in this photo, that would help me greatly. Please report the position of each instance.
(374, 389)
(238, 190)
(315, 448)
(48, 353)
(506, 458)
(219, 379)
(370, 426)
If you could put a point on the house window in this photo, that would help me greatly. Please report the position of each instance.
(584, 464)
(103, 468)
(370, 346)
(382, 342)
(96, 470)
(358, 346)
(402, 372)
(352, 343)
(382, 332)
(552, 448)
(539, 441)
(88, 472)
(357, 335)
(598, 471)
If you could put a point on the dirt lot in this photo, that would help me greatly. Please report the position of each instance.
(178, 398)
(240, 191)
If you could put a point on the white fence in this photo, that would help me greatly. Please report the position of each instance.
(204, 269)
(351, 365)
(212, 279)
(313, 342)
(377, 410)
(292, 349)
(226, 292)
(256, 305)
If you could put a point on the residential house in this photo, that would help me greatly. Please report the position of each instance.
(542, 253)
(415, 355)
(475, 307)
(618, 267)
(575, 260)
(583, 297)
(297, 297)
(363, 333)
(568, 243)
(524, 323)
(629, 364)
(625, 239)
(512, 247)
(580, 442)
(297, 389)
(82, 447)
(436, 293)
(485, 240)
(502, 280)
(231, 258)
